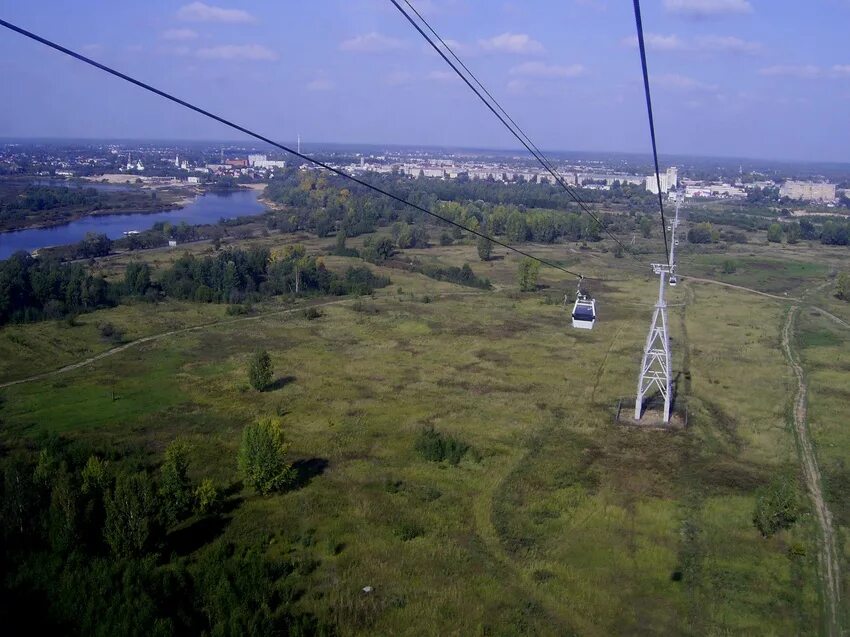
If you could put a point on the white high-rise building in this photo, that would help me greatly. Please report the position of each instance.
(669, 181)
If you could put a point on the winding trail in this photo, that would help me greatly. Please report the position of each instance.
(828, 554)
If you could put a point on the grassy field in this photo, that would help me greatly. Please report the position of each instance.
(559, 521)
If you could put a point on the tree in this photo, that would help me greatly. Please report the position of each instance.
(132, 523)
(260, 370)
(485, 248)
(700, 233)
(516, 228)
(646, 227)
(262, 456)
(729, 266)
(793, 233)
(842, 286)
(175, 488)
(527, 274)
(137, 278)
(774, 233)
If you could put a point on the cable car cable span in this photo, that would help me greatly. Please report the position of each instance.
(642, 47)
(249, 132)
(529, 145)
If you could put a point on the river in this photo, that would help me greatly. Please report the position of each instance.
(206, 208)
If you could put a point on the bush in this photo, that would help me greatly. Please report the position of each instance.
(730, 266)
(262, 456)
(436, 447)
(111, 333)
(260, 370)
(842, 286)
(312, 313)
(776, 506)
(207, 497)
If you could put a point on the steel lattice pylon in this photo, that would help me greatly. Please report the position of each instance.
(656, 369)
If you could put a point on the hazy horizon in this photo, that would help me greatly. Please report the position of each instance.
(726, 79)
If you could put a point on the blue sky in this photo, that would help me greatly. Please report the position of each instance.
(752, 78)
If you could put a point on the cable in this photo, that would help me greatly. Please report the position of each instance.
(251, 133)
(639, 25)
(529, 145)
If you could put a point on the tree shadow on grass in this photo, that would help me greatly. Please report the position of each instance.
(280, 383)
(306, 470)
(188, 539)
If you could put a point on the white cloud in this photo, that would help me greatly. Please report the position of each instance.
(702, 44)
(841, 69)
(398, 78)
(681, 82)
(520, 43)
(800, 71)
(442, 76)
(254, 52)
(179, 35)
(320, 84)
(200, 12)
(656, 42)
(542, 70)
(708, 8)
(371, 43)
(727, 44)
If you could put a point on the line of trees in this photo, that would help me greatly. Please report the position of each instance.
(36, 289)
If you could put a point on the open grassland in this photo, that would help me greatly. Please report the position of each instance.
(558, 521)
(826, 359)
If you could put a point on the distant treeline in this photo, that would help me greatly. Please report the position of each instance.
(827, 232)
(23, 205)
(35, 289)
(520, 212)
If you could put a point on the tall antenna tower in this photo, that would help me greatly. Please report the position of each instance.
(656, 369)
(299, 143)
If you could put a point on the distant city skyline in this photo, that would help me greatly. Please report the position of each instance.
(728, 81)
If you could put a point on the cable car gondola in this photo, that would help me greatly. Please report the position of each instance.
(584, 310)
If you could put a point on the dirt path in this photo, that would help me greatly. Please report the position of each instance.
(184, 330)
(740, 287)
(828, 555)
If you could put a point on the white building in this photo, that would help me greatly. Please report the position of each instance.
(669, 181)
(261, 161)
(808, 191)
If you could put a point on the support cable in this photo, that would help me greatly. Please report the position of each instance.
(262, 138)
(503, 117)
(639, 25)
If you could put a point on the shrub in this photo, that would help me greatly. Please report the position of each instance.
(312, 313)
(776, 506)
(207, 497)
(260, 370)
(262, 456)
(730, 266)
(436, 447)
(842, 286)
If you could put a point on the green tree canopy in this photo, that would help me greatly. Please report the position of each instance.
(262, 456)
(260, 370)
